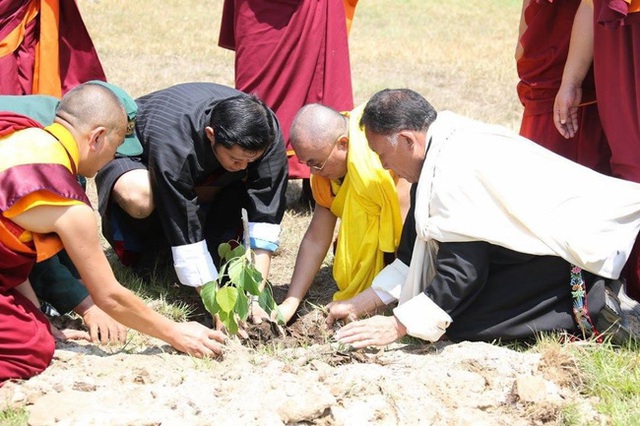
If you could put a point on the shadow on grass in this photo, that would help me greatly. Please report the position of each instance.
(86, 348)
(157, 284)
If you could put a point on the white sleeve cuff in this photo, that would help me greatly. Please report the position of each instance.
(193, 264)
(264, 235)
(423, 318)
(388, 283)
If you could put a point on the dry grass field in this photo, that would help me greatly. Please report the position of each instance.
(459, 57)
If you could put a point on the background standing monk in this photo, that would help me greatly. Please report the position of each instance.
(290, 53)
(349, 183)
(541, 53)
(608, 34)
(43, 208)
(45, 48)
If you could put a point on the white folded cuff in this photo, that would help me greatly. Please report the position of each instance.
(423, 318)
(388, 283)
(193, 264)
(264, 235)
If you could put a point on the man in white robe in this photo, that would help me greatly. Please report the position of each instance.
(510, 238)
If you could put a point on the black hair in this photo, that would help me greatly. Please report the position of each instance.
(245, 121)
(393, 110)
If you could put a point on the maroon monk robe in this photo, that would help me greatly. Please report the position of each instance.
(545, 46)
(78, 59)
(616, 59)
(26, 342)
(290, 53)
(23, 354)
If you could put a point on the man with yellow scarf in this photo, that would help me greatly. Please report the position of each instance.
(348, 182)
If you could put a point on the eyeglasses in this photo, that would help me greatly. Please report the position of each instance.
(319, 168)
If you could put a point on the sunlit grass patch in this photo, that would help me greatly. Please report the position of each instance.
(14, 416)
(613, 376)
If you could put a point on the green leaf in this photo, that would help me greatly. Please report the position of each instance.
(223, 316)
(243, 274)
(222, 273)
(265, 300)
(253, 281)
(231, 324)
(236, 252)
(235, 267)
(226, 298)
(228, 319)
(242, 306)
(208, 295)
(223, 249)
(279, 316)
(237, 277)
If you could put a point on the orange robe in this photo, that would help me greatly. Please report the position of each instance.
(44, 48)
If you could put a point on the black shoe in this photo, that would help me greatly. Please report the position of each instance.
(611, 324)
(630, 307)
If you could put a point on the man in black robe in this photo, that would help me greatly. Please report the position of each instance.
(209, 151)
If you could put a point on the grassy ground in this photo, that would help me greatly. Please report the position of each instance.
(459, 56)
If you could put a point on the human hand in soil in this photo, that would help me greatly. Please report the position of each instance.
(341, 310)
(68, 334)
(101, 326)
(197, 340)
(257, 314)
(375, 331)
(348, 310)
(287, 308)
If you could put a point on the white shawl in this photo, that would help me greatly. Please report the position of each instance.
(482, 182)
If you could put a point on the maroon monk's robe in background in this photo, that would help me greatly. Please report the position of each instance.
(63, 27)
(545, 46)
(616, 60)
(290, 53)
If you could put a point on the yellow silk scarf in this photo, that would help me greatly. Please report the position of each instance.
(371, 224)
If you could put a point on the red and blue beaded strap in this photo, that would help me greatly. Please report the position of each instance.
(580, 306)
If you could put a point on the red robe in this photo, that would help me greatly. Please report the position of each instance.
(290, 53)
(616, 61)
(545, 47)
(26, 342)
(44, 48)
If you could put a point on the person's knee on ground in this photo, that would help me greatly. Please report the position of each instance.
(132, 192)
(30, 361)
(26, 342)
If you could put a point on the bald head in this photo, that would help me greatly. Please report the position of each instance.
(316, 126)
(91, 105)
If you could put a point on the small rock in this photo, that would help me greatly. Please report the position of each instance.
(472, 382)
(18, 397)
(535, 389)
(84, 387)
(309, 403)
